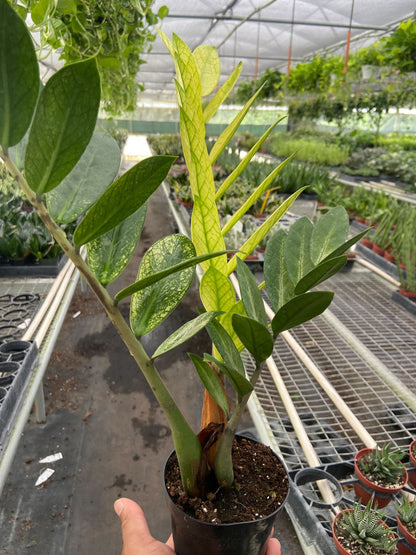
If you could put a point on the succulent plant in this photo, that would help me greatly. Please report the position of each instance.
(383, 464)
(406, 511)
(365, 529)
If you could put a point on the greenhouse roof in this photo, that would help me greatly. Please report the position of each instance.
(261, 33)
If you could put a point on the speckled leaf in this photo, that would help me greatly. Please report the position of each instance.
(254, 336)
(63, 124)
(211, 382)
(279, 286)
(300, 309)
(19, 77)
(208, 64)
(150, 306)
(330, 231)
(95, 170)
(109, 254)
(123, 197)
(297, 249)
(185, 332)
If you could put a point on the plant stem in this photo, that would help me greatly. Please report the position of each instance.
(187, 446)
(223, 460)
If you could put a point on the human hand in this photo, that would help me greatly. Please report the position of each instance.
(137, 539)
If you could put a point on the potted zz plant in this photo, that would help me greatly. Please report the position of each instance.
(380, 474)
(362, 531)
(57, 127)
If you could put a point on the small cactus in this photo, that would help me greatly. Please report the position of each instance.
(365, 530)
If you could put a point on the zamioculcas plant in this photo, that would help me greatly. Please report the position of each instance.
(58, 127)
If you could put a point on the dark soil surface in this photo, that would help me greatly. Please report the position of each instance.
(260, 487)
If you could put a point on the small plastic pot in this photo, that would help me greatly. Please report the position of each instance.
(340, 548)
(408, 546)
(412, 474)
(365, 489)
(194, 537)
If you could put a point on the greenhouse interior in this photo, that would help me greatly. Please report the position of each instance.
(208, 277)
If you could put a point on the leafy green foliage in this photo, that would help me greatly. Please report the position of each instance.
(383, 464)
(406, 511)
(365, 529)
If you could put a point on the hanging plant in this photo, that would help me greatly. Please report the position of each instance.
(116, 32)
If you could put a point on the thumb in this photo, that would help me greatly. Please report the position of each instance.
(133, 526)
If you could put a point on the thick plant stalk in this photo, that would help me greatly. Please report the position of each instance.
(187, 446)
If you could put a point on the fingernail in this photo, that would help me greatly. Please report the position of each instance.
(118, 506)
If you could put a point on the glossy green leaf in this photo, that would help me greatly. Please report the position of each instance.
(211, 382)
(262, 231)
(216, 291)
(297, 249)
(250, 294)
(254, 336)
(211, 108)
(95, 170)
(109, 254)
(300, 309)
(157, 276)
(123, 197)
(320, 273)
(63, 124)
(40, 10)
(228, 181)
(241, 384)
(279, 286)
(347, 245)
(150, 306)
(225, 346)
(225, 321)
(185, 332)
(229, 131)
(19, 77)
(208, 64)
(329, 233)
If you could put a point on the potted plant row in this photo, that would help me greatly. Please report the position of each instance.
(406, 523)
(58, 127)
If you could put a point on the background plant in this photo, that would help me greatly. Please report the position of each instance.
(406, 511)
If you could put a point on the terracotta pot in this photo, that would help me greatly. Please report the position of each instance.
(367, 243)
(408, 547)
(388, 255)
(194, 537)
(378, 250)
(412, 457)
(340, 548)
(365, 489)
(409, 294)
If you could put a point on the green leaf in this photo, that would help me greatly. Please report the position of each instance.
(329, 233)
(320, 273)
(154, 278)
(211, 382)
(229, 131)
(279, 286)
(241, 384)
(150, 306)
(297, 249)
(109, 254)
(347, 245)
(63, 124)
(185, 332)
(300, 309)
(93, 173)
(254, 336)
(219, 97)
(163, 12)
(19, 77)
(208, 64)
(40, 11)
(225, 346)
(250, 294)
(216, 291)
(123, 197)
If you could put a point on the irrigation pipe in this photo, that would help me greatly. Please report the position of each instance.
(376, 270)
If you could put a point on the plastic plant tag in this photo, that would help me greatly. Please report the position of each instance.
(45, 475)
(52, 458)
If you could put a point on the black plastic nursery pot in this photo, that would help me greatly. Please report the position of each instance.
(194, 537)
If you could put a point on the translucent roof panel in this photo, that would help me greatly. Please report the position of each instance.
(261, 33)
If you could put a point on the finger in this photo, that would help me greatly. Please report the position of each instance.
(273, 547)
(170, 543)
(133, 525)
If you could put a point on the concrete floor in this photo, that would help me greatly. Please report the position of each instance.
(103, 418)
